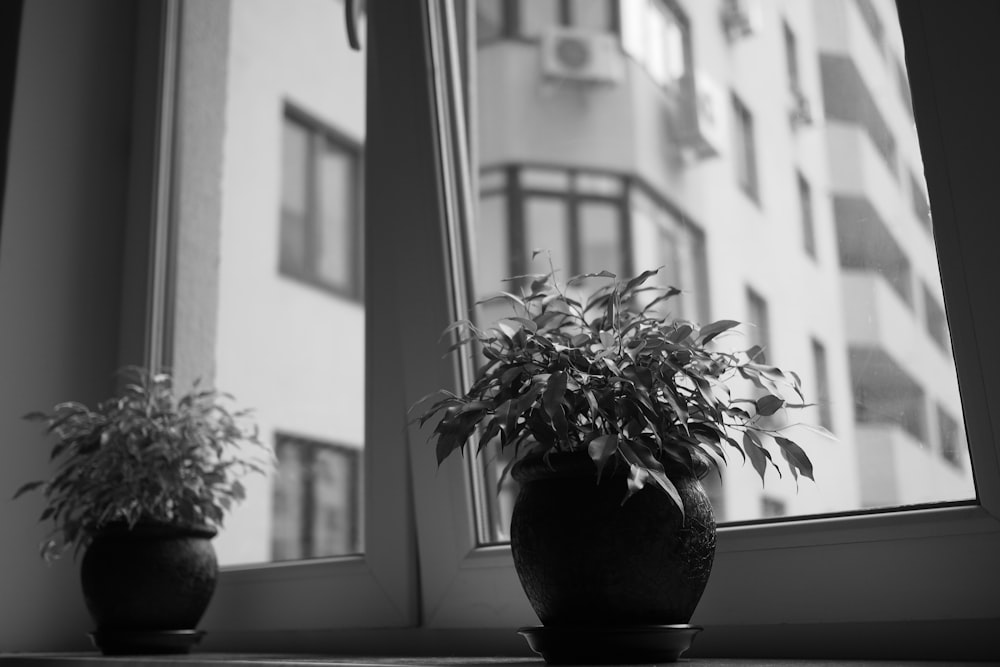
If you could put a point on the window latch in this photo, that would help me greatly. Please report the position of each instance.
(351, 18)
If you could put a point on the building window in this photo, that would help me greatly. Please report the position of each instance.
(822, 379)
(758, 324)
(903, 84)
(791, 58)
(317, 500)
(806, 215)
(491, 20)
(744, 149)
(874, 24)
(531, 19)
(935, 320)
(949, 433)
(918, 200)
(656, 34)
(771, 507)
(320, 206)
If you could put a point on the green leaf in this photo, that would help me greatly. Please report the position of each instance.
(755, 452)
(710, 331)
(796, 457)
(601, 449)
(640, 279)
(576, 280)
(768, 405)
(552, 397)
(640, 473)
(30, 486)
(502, 296)
(680, 333)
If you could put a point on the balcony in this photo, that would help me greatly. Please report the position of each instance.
(876, 318)
(896, 469)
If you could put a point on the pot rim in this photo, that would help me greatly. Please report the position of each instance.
(155, 529)
(576, 464)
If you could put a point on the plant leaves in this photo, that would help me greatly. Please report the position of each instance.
(30, 486)
(755, 452)
(797, 459)
(601, 449)
(768, 405)
(710, 331)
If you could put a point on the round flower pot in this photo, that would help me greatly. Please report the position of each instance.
(603, 573)
(147, 587)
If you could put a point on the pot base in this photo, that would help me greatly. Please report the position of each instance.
(610, 645)
(145, 642)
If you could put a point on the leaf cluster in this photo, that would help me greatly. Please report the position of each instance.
(145, 455)
(604, 373)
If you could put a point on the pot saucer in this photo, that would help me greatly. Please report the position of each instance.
(145, 642)
(610, 645)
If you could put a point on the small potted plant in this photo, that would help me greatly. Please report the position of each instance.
(610, 414)
(142, 484)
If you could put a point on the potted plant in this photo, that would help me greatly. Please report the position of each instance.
(610, 414)
(142, 484)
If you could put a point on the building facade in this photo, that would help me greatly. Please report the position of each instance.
(762, 152)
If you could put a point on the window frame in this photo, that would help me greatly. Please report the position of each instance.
(745, 148)
(860, 570)
(319, 135)
(869, 562)
(302, 597)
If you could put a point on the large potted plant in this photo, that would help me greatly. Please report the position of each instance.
(142, 484)
(609, 414)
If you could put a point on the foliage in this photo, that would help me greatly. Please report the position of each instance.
(145, 455)
(605, 374)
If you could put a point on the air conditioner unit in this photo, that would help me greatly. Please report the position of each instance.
(581, 55)
(705, 115)
(741, 18)
(800, 113)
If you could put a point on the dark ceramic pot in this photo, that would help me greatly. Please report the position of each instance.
(147, 587)
(585, 559)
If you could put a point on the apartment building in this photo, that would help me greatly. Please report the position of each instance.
(763, 153)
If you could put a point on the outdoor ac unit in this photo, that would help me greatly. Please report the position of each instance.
(581, 55)
(741, 18)
(706, 130)
(800, 113)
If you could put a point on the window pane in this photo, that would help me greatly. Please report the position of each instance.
(537, 16)
(600, 237)
(546, 228)
(591, 14)
(284, 330)
(294, 172)
(863, 328)
(336, 195)
(489, 19)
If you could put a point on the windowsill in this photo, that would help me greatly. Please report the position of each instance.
(285, 660)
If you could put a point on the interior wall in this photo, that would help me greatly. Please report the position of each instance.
(60, 279)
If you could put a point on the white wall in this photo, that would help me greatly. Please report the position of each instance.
(60, 249)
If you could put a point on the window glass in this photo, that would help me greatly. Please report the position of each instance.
(791, 56)
(282, 327)
(858, 329)
(822, 388)
(600, 230)
(489, 19)
(337, 190)
(654, 35)
(744, 148)
(537, 16)
(591, 14)
(806, 214)
(546, 227)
